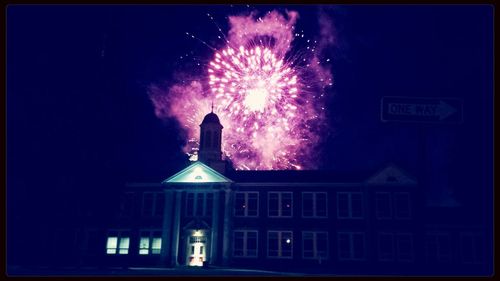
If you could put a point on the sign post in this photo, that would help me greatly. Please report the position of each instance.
(422, 110)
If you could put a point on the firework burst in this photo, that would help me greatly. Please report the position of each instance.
(268, 98)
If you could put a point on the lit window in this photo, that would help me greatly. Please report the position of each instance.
(112, 245)
(349, 205)
(314, 245)
(124, 244)
(314, 204)
(279, 244)
(150, 242)
(156, 246)
(144, 246)
(246, 204)
(245, 243)
(280, 204)
(118, 243)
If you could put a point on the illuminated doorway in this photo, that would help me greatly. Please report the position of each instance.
(197, 247)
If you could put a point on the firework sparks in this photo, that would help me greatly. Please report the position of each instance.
(268, 98)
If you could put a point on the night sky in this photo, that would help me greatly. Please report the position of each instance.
(80, 123)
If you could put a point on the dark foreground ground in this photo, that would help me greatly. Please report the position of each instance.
(138, 271)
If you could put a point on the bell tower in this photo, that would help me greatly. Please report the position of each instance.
(210, 142)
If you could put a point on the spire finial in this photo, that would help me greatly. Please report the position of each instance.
(212, 106)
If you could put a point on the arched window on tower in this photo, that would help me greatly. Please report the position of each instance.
(208, 138)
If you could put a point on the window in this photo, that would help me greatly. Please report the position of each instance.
(199, 204)
(385, 246)
(314, 245)
(351, 245)
(471, 248)
(314, 204)
(402, 205)
(383, 204)
(349, 205)
(279, 244)
(208, 139)
(404, 243)
(438, 247)
(280, 204)
(246, 204)
(127, 204)
(153, 203)
(150, 242)
(118, 242)
(245, 243)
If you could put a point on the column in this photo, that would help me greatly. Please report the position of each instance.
(167, 226)
(174, 251)
(227, 226)
(215, 228)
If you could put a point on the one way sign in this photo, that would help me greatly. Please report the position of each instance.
(433, 110)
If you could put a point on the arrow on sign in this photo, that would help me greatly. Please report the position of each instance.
(445, 110)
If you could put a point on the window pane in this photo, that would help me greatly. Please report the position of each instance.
(358, 244)
(286, 244)
(273, 244)
(111, 245)
(307, 204)
(199, 206)
(343, 205)
(383, 205)
(322, 244)
(286, 204)
(144, 246)
(160, 204)
(239, 237)
(344, 245)
(124, 244)
(357, 205)
(251, 243)
(252, 204)
(147, 204)
(321, 204)
(239, 204)
(273, 204)
(308, 244)
(156, 246)
(190, 204)
(402, 204)
(210, 204)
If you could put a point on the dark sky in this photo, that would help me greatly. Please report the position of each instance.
(81, 123)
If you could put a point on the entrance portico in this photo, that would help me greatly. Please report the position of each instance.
(192, 224)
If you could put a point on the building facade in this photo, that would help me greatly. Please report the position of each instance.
(208, 214)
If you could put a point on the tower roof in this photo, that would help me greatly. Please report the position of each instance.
(211, 118)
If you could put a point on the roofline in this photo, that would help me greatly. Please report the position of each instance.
(195, 163)
(142, 184)
(298, 184)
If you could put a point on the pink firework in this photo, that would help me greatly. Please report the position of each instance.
(269, 101)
